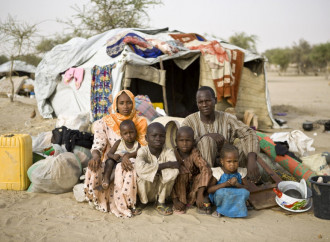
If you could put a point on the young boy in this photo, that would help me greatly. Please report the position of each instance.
(127, 145)
(157, 168)
(194, 174)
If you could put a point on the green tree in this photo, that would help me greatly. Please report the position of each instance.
(3, 59)
(47, 44)
(279, 56)
(17, 37)
(300, 55)
(244, 41)
(99, 16)
(320, 56)
(30, 59)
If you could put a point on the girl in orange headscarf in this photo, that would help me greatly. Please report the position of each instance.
(106, 133)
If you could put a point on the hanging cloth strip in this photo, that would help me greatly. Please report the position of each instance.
(101, 90)
(74, 73)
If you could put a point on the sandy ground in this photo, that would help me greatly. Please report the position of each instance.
(47, 217)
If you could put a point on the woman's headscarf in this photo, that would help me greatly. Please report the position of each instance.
(114, 119)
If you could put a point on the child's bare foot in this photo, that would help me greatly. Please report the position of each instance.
(178, 206)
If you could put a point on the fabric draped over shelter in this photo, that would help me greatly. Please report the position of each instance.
(226, 67)
(185, 38)
(139, 45)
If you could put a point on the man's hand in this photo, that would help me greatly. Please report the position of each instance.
(219, 139)
(253, 173)
(126, 164)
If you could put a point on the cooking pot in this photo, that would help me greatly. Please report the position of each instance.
(327, 126)
(307, 126)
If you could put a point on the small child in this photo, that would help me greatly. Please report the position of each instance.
(227, 188)
(157, 169)
(126, 145)
(194, 174)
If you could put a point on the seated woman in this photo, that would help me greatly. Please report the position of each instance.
(106, 133)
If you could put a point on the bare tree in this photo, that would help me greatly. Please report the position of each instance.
(17, 38)
(101, 15)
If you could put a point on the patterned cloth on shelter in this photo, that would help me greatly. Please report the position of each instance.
(226, 67)
(106, 133)
(145, 108)
(139, 45)
(185, 38)
(164, 46)
(101, 89)
(228, 126)
(194, 173)
(230, 201)
(150, 183)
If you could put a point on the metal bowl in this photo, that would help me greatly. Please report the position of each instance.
(307, 126)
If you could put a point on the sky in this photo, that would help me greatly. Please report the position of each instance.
(276, 23)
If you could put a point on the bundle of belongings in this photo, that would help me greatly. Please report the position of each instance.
(68, 153)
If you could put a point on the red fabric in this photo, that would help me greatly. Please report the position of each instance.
(227, 87)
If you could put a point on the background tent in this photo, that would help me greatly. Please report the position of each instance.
(169, 79)
(19, 66)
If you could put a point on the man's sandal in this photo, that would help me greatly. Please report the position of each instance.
(162, 209)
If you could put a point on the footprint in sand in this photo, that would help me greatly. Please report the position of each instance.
(2, 204)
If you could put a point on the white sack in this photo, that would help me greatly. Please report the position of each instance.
(298, 142)
(55, 174)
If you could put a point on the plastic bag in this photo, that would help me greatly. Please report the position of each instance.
(79, 193)
(76, 121)
(299, 143)
(83, 154)
(55, 174)
(41, 141)
(317, 163)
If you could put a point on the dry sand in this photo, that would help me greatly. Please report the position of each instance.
(47, 217)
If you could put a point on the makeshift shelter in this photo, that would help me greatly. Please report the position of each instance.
(171, 79)
(19, 68)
